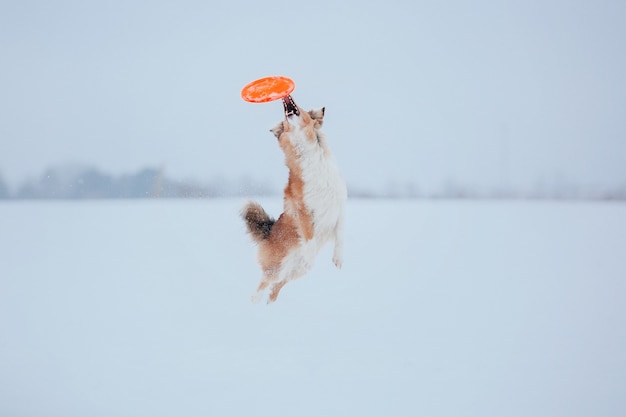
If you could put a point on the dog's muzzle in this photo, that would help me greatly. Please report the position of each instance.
(291, 109)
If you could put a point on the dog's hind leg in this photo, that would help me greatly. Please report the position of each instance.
(266, 280)
(275, 290)
(294, 266)
(256, 297)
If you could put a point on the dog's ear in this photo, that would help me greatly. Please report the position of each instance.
(318, 116)
(278, 130)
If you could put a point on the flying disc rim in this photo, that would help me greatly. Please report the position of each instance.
(268, 89)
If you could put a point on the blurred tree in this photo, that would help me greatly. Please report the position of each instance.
(143, 184)
(92, 183)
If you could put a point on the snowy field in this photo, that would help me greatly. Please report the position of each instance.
(443, 308)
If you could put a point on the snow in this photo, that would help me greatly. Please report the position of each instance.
(442, 308)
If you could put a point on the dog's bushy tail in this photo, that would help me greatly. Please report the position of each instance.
(259, 223)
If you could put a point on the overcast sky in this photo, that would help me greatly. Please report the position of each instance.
(482, 93)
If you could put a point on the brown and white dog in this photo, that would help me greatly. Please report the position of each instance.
(314, 203)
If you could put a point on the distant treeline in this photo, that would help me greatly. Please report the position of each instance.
(71, 182)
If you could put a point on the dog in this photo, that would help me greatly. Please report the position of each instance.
(314, 204)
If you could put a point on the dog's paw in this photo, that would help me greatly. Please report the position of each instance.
(338, 261)
(338, 255)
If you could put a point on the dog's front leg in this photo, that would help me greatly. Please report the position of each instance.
(338, 250)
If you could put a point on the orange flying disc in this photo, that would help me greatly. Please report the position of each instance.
(268, 89)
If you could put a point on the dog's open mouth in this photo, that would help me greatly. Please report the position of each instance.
(291, 109)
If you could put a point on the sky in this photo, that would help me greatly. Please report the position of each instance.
(485, 93)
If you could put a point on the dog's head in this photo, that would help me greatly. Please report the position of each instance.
(296, 118)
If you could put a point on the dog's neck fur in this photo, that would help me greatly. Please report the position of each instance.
(312, 186)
